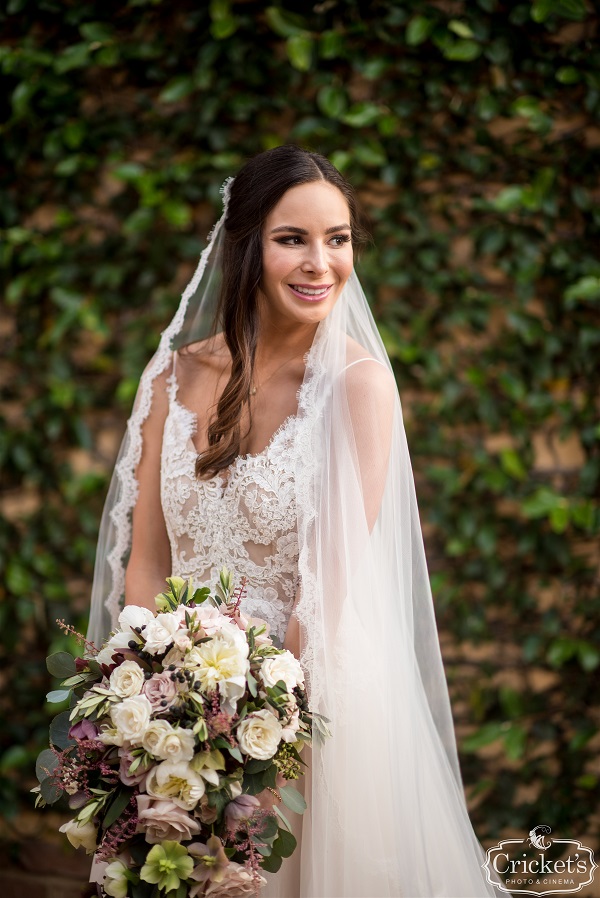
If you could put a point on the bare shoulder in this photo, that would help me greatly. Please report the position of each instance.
(367, 377)
(203, 358)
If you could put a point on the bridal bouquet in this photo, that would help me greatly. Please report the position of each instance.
(178, 729)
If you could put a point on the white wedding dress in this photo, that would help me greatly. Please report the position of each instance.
(245, 519)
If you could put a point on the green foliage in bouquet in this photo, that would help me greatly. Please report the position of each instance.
(176, 728)
(471, 132)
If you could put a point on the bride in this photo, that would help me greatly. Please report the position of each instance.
(267, 435)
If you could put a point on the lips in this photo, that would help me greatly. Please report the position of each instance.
(311, 292)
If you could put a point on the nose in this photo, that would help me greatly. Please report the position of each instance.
(315, 260)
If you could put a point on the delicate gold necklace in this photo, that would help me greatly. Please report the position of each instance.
(254, 387)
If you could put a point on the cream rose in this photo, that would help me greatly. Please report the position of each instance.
(282, 667)
(259, 735)
(161, 820)
(127, 679)
(131, 718)
(177, 782)
(80, 835)
(159, 633)
(155, 733)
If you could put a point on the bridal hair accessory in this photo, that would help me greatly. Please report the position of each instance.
(386, 811)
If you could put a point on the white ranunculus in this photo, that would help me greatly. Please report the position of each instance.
(115, 880)
(176, 781)
(127, 679)
(259, 735)
(222, 662)
(155, 733)
(133, 616)
(80, 835)
(282, 667)
(131, 718)
(159, 633)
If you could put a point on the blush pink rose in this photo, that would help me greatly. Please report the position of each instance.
(161, 820)
(125, 761)
(158, 689)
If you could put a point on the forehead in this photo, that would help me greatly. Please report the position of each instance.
(312, 205)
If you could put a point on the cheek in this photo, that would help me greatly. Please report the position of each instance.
(275, 265)
(345, 264)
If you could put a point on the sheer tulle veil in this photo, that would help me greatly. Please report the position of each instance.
(386, 809)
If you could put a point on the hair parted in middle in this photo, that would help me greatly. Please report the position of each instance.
(255, 191)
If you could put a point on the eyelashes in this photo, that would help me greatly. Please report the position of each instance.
(285, 241)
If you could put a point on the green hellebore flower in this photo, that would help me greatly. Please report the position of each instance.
(167, 864)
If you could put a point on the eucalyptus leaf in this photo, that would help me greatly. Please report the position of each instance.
(61, 665)
(292, 799)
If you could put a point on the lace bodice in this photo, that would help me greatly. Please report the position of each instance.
(244, 518)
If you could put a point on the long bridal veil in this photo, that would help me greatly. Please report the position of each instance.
(386, 810)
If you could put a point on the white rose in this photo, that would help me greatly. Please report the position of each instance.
(133, 616)
(116, 642)
(115, 881)
(131, 718)
(80, 835)
(222, 662)
(259, 735)
(282, 667)
(153, 736)
(159, 633)
(127, 679)
(176, 781)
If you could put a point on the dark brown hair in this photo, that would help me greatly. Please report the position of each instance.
(255, 191)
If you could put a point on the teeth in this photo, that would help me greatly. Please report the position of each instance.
(310, 292)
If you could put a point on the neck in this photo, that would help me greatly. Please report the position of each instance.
(278, 343)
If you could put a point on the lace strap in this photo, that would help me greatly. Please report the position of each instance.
(172, 378)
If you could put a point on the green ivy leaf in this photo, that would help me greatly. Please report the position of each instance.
(418, 30)
(299, 50)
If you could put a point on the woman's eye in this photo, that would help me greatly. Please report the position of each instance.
(288, 241)
(341, 238)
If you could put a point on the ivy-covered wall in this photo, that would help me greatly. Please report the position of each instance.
(472, 132)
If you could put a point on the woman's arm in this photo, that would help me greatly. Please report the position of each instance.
(150, 559)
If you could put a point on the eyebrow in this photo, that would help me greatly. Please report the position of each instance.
(294, 230)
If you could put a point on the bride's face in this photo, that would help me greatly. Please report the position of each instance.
(307, 253)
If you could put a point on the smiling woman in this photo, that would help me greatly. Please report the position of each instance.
(299, 479)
